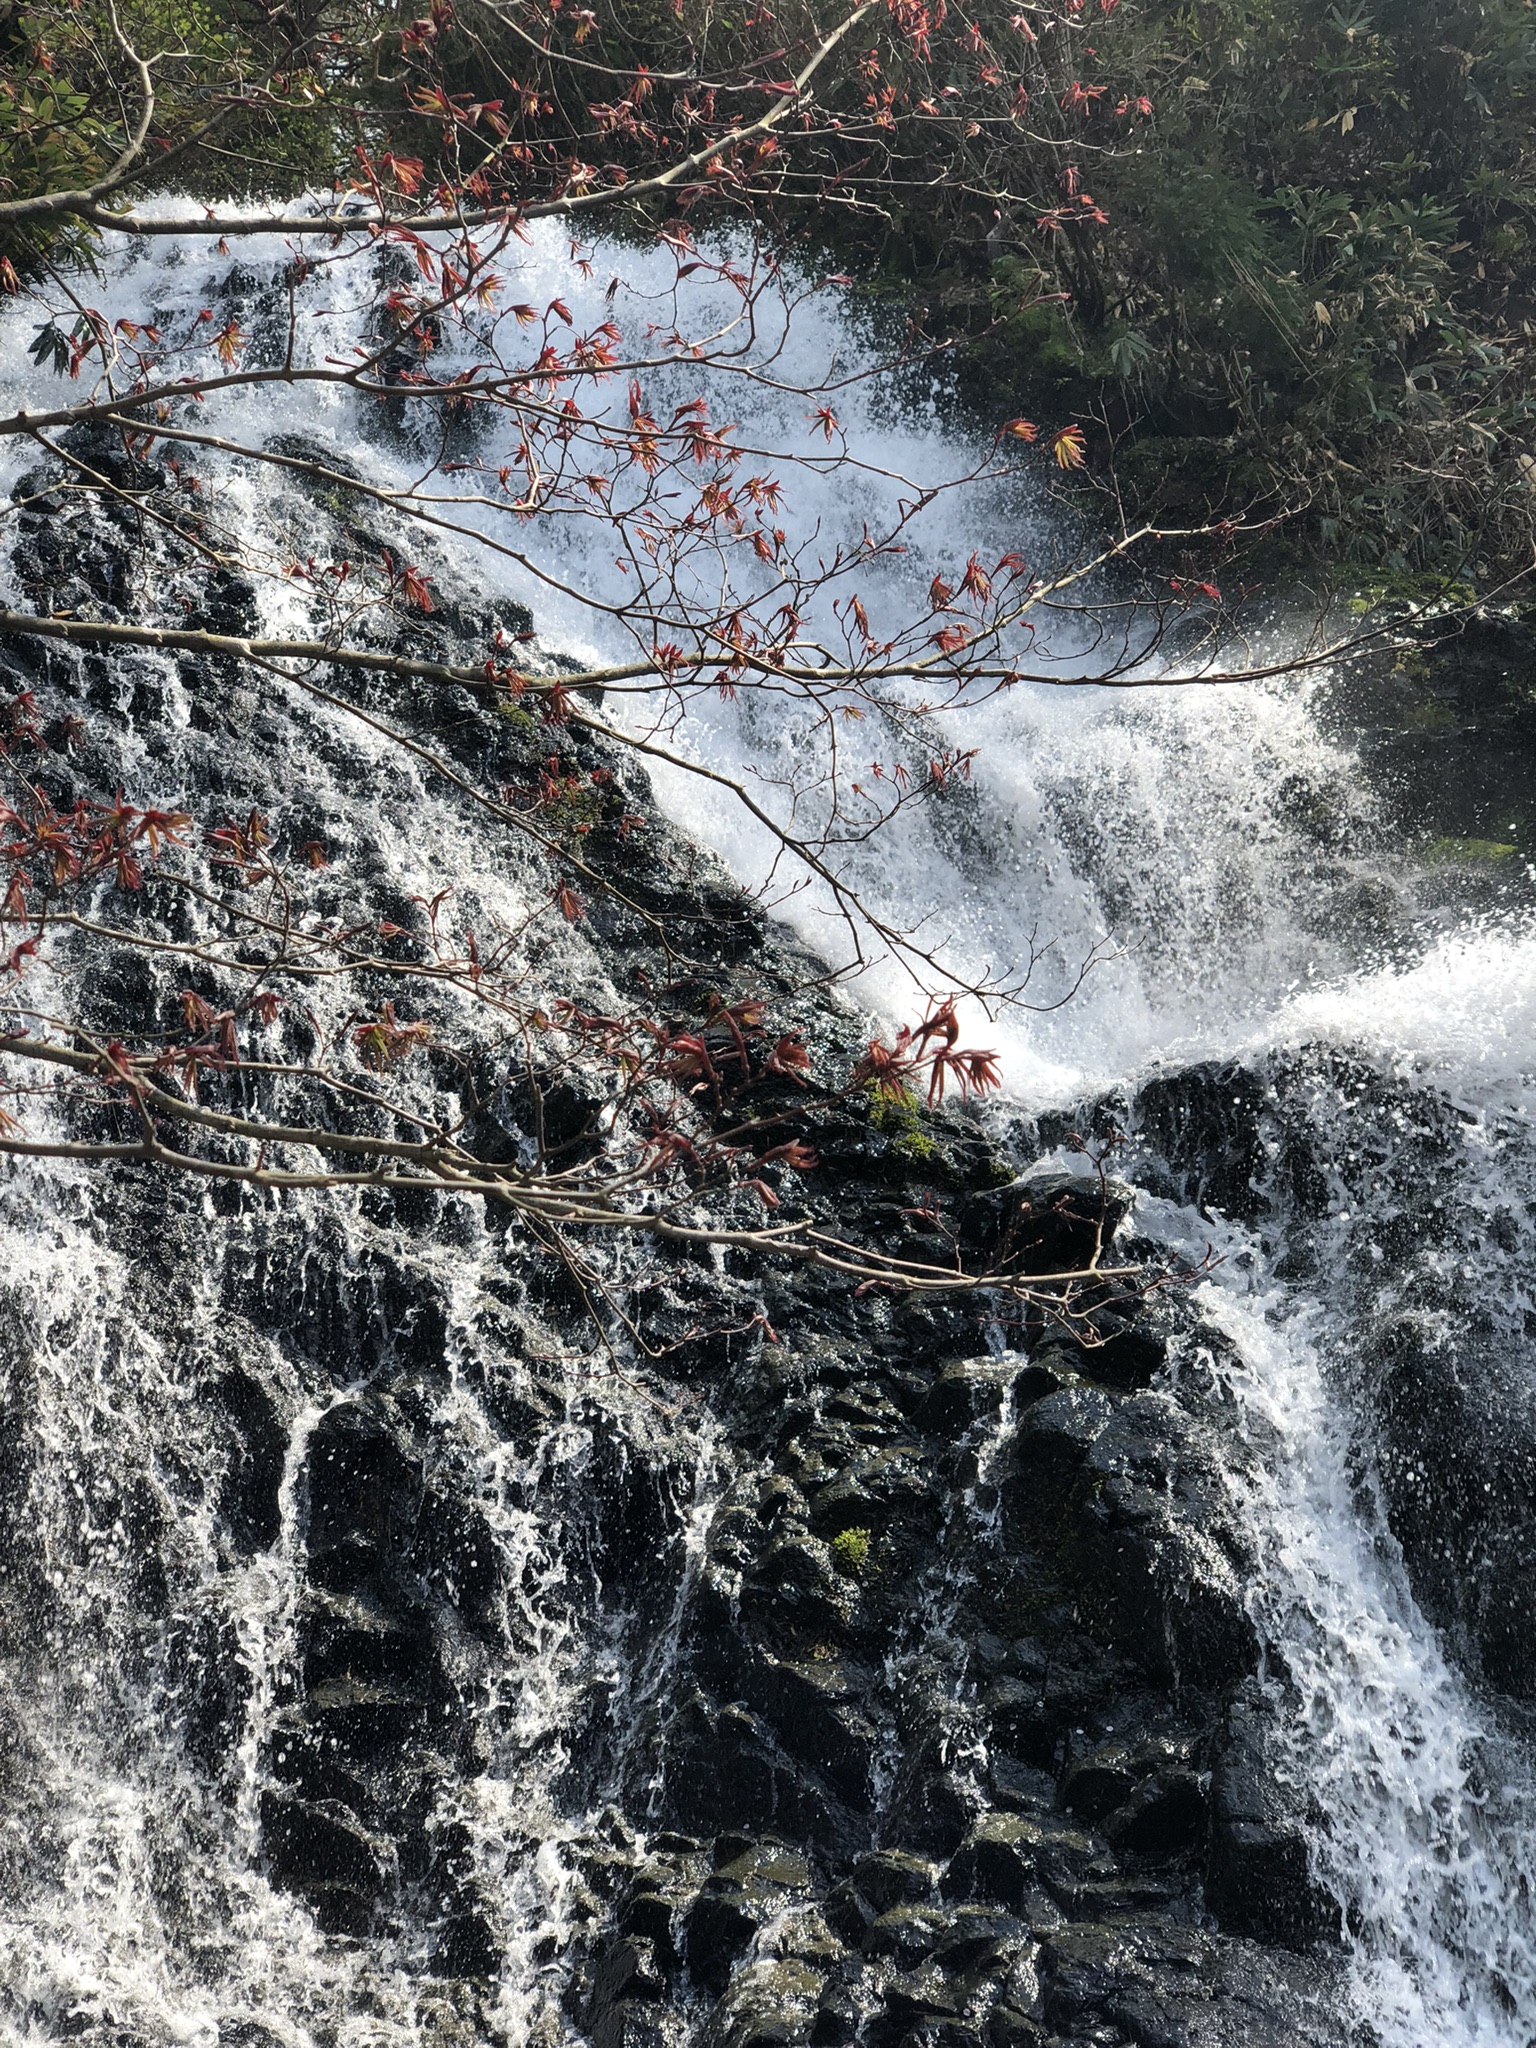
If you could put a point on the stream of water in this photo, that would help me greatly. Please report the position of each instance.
(1218, 846)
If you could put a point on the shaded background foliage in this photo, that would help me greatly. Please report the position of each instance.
(1314, 287)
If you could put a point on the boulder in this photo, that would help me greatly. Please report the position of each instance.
(1456, 1451)
(324, 1851)
(1164, 1558)
(741, 1896)
(1051, 1219)
(965, 1392)
(1259, 1881)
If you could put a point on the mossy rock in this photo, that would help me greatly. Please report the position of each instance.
(898, 1119)
(1454, 852)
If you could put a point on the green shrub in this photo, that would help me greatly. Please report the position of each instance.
(850, 1552)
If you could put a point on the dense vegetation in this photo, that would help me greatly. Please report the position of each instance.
(1275, 254)
(1314, 286)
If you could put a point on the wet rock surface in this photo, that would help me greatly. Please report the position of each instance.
(1377, 1183)
(861, 1673)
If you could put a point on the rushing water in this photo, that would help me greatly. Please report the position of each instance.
(1222, 850)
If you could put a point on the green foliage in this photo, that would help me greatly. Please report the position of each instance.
(572, 814)
(850, 1552)
(1430, 715)
(1324, 230)
(52, 133)
(898, 1119)
(70, 103)
(1417, 590)
(1453, 852)
(1039, 338)
(1308, 289)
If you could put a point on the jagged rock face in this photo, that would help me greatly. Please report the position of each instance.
(873, 1684)
(953, 1780)
(1457, 1467)
(1379, 1184)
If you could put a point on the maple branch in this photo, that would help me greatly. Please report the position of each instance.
(447, 1169)
(194, 640)
(569, 206)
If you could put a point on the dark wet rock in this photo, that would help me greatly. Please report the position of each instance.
(363, 1488)
(1457, 1458)
(772, 2004)
(893, 1877)
(922, 2002)
(1049, 1220)
(735, 1902)
(351, 1639)
(466, 1940)
(871, 1489)
(1164, 1554)
(1023, 1720)
(1449, 734)
(1317, 1138)
(795, 1570)
(1127, 1351)
(627, 1969)
(1104, 1778)
(457, 1555)
(1259, 1881)
(882, 1881)
(1175, 1987)
(1163, 1816)
(325, 1852)
(905, 1934)
(634, 2023)
(728, 1767)
(818, 1708)
(1205, 1122)
(653, 1905)
(975, 1939)
(357, 1718)
(838, 2017)
(1006, 1858)
(1007, 2027)
(1017, 1787)
(1049, 1453)
(255, 1472)
(965, 1392)
(932, 1806)
(848, 1913)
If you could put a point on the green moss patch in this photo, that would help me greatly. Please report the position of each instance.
(1452, 852)
(850, 1552)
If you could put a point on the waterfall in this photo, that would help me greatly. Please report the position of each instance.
(1259, 928)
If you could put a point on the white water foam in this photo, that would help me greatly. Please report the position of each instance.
(1427, 1838)
(1161, 823)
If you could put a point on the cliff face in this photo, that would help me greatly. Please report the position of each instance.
(408, 1631)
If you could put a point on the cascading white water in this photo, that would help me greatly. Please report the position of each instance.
(1181, 826)
(133, 1898)
(1429, 1800)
